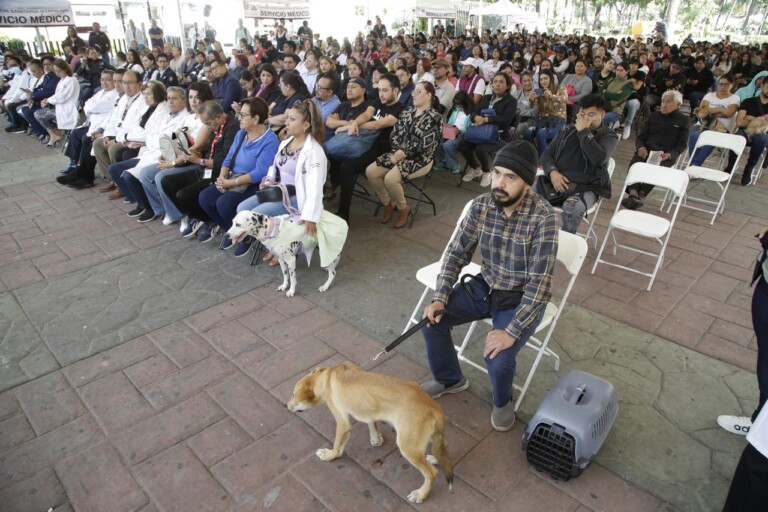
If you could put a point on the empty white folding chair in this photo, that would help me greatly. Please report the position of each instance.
(572, 250)
(645, 224)
(726, 142)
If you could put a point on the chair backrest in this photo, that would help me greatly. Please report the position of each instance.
(735, 143)
(571, 251)
(458, 225)
(674, 180)
(611, 167)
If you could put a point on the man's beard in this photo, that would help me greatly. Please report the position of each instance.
(502, 199)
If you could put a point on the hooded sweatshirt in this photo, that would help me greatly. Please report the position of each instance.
(751, 90)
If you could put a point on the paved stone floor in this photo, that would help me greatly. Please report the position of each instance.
(140, 371)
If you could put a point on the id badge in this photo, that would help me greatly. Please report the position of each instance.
(207, 173)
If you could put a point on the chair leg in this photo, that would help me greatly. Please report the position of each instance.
(602, 248)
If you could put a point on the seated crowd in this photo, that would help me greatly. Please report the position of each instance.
(196, 138)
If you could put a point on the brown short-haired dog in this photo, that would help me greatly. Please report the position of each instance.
(369, 397)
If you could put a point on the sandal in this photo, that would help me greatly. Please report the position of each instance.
(270, 258)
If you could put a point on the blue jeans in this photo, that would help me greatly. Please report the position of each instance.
(150, 178)
(443, 361)
(116, 173)
(448, 152)
(543, 135)
(268, 208)
(760, 323)
(221, 207)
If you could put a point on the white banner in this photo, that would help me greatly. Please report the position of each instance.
(255, 11)
(424, 12)
(23, 13)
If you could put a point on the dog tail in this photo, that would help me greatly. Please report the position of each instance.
(440, 451)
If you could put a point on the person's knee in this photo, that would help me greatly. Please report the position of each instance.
(392, 179)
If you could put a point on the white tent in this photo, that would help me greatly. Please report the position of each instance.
(35, 13)
(506, 9)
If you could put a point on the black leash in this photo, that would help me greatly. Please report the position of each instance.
(416, 327)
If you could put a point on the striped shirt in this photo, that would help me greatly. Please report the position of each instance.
(518, 252)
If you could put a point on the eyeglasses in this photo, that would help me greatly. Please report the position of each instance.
(318, 86)
(240, 115)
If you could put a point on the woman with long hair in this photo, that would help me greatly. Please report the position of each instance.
(301, 165)
(292, 89)
(459, 119)
(414, 141)
(134, 61)
(269, 87)
(497, 108)
(551, 101)
(66, 97)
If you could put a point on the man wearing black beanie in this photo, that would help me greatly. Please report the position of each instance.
(517, 233)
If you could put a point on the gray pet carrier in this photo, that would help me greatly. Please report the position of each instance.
(571, 424)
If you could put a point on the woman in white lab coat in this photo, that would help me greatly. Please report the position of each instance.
(65, 115)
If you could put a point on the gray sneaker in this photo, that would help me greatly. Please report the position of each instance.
(503, 418)
(435, 389)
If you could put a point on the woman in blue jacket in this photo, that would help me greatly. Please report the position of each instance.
(246, 164)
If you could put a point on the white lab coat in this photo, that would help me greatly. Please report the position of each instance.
(99, 107)
(15, 93)
(160, 123)
(66, 99)
(311, 171)
(134, 34)
(118, 127)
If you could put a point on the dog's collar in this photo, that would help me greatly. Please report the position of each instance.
(273, 228)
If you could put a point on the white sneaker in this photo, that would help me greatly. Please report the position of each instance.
(167, 220)
(183, 224)
(485, 181)
(626, 132)
(735, 424)
(472, 173)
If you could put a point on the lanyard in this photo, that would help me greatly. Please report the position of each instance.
(217, 137)
(127, 108)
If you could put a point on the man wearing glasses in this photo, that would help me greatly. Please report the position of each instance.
(130, 108)
(164, 72)
(226, 88)
(326, 100)
(576, 163)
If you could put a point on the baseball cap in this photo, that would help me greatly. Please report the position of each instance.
(359, 81)
(470, 62)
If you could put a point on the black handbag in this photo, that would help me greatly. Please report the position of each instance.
(554, 197)
(499, 299)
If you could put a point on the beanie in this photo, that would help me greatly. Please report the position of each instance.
(520, 157)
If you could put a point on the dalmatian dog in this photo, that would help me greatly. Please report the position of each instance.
(268, 230)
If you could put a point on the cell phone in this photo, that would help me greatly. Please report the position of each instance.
(539, 91)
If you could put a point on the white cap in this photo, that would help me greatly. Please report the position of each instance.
(471, 62)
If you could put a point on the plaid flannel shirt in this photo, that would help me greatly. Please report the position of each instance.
(518, 252)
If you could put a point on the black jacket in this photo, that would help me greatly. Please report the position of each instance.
(665, 132)
(506, 110)
(596, 149)
(90, 71)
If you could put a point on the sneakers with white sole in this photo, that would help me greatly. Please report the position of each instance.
(435, 389)
(735, 424)
(472, 173)
(485, 180)
(503, 418)
(626, 132)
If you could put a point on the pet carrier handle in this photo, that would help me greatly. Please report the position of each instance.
(579, 394)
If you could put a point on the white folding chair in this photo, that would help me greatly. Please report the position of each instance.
(644, 224)
(572, 250)
(591, 215)
(726, 142)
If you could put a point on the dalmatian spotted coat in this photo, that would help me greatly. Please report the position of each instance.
(261, 227)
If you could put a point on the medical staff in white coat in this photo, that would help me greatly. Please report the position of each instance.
(65, 100)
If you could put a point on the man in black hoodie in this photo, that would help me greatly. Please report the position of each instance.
(576, 163)
(666, 130)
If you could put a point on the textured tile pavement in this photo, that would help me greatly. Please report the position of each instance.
(144, 372)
